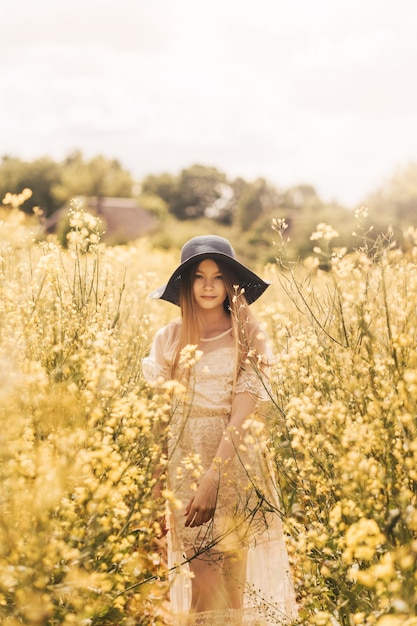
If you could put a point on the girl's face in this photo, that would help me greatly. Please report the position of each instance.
(209, 290)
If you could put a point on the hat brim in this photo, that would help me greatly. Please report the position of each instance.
(252, 285)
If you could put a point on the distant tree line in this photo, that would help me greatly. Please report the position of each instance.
(205, 193)
(54, 184)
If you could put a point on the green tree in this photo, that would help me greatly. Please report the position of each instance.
(300, 197)
(98, 177)
(40, 175)
(154, 204)
(254, 200)
(163, 185)
(199, 190)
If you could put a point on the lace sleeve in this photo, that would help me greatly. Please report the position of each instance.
(157, 367)
(153, 371)
(254, 375)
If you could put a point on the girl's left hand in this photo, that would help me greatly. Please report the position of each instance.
(202, 505)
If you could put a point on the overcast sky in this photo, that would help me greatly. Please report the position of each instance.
(320, 92)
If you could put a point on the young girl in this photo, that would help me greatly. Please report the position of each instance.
(225, 543)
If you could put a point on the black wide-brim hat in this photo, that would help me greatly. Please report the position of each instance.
(219, 249)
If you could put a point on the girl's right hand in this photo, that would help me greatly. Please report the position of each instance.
(202, 505)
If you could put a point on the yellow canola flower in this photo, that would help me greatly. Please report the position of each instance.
(396, 620)
(190, 355)
(324, 231)
(170, 497)
(321, 618)
(17, 199)
(362, 540)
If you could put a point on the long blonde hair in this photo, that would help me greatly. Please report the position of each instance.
(235, 305)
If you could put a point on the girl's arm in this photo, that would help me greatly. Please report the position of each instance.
(201, 507)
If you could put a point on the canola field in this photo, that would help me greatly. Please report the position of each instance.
(79, 530)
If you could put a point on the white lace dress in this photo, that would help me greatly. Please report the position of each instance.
(247, 508)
